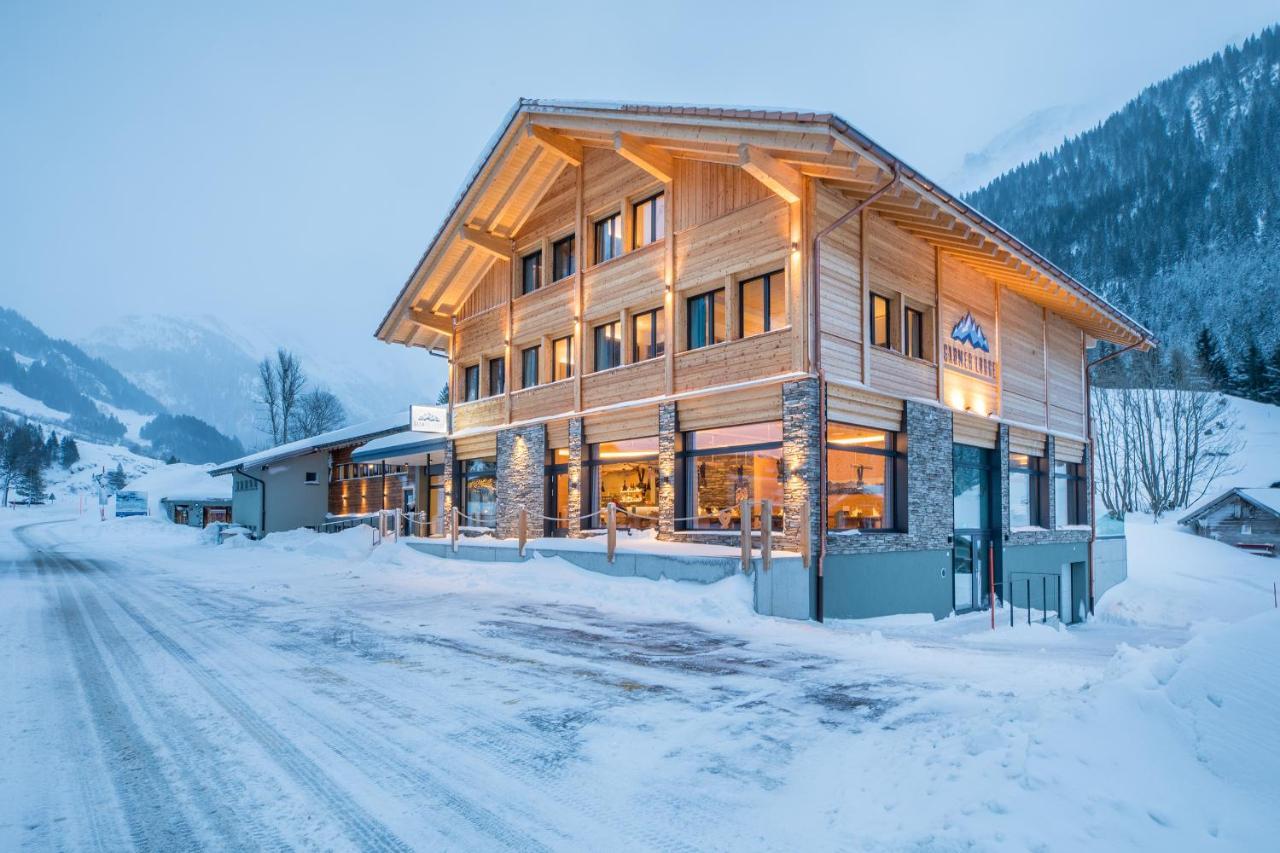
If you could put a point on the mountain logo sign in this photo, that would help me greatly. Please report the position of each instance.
(971, 352)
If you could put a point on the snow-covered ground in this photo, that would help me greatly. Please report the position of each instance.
(314, 691)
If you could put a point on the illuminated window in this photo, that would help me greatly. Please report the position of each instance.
(608, 237)
(1025, 493)
(608, 340)
(562, 358)
(881, 312)
(562, 258)
(723, 467)
(471, 383)
(861, 478)
(705, 317)
(529, 367)
(647, 335)
(913, 321)
(762, 304)
(624, 473)
(648, 220)
(479, 492)
(531, 272)
(497, 376)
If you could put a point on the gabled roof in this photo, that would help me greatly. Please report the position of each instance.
(1267, 500)
(539, 138)
(344, 437)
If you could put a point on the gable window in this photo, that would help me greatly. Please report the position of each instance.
(563, 258)
(706, 319)
(761, 303)
(471, 383)
(608, 345)
(1068, 489)
(497, 376)
(648, 222)
(862, 478)
(562, 358)
(1025, 502)
(913, 322)
(529, 367)
(647, 335)
(531, 272)
(881, 312)
(608, 237)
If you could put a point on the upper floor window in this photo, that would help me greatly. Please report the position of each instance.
(881, 319)
(497, 376)
(608, 345)
(608, 237)
(913, 322)
(562, 358)
(706, 319)
(762, 303)
(647, 335)
(648, 220)
(531, 272)
(471, 383)
(563, 258)
(529, 367)
(1024, 490)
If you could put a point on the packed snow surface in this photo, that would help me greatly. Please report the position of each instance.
(319, 692)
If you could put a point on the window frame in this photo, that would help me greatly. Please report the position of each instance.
(908, 312)
(536, 352)
(656, 219)
(895, 487)
(536, 257)
(557, 274)
(686, 472)
(597, 255)
(1034, 472)
(872, 298)
(657, 342)
(616, 325)
(709, 329)
(500, 362)
(591, 465)
(1074, 476)
(571, 363)
(470, 389)
(767, 279)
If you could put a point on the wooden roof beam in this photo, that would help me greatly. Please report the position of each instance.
(438, 323)
(485, 242)
(782, 181)
(557, 144)
(656, 162)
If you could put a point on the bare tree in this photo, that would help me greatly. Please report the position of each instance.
(269, 400)
(318, 411)
(291, 380)
(1115, 474)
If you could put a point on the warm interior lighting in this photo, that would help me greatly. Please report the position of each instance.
(862, 439)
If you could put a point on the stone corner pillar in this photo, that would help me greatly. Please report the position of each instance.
(801, 457)
(574, 525)
(667, 428)
(522, 455)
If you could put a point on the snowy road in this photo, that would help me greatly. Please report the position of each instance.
(175, 696)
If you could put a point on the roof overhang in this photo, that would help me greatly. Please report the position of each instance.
(403, 448)
(538, 139)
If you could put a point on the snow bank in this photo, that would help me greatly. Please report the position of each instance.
(180, 480)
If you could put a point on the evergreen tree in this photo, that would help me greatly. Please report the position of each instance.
(442, 399)
(23, 448)
(1210, 361)
(31, 487)
(51, 449)
(1273, 377)
(69, 452)
(1252, 381)
(116, 480)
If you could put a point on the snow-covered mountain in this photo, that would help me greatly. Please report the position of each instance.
(206, 366)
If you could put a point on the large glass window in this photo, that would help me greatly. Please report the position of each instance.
(608, 237)
(479, 492)
(881, 312)
(531, 272)
(471, 383)
(1025, 474)
(562, 358)
(706, 319)
(648, 220)
(529, 367)
(608, 340)
(971, 487)
(563, 258)
(647, 335)
(860, 478)
(762, 303)
(1069, 494)
(625, 473)
(913, 321)
(497, 376)
(723, 467)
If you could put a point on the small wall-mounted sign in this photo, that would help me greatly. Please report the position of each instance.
(425, 419)
(968, 349)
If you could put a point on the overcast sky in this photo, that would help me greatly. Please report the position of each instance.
(287, 163)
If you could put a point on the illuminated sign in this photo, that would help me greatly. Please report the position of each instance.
(425, 419)
(970, 351)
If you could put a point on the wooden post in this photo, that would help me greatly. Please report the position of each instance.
(612, 538)
(453, 530)
(766, 535)
(744, 533)
(522, 526)
(805, 545)
(397, 522)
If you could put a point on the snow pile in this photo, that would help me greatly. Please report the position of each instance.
(178, 481)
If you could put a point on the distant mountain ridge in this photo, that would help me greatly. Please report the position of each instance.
(1171, 206)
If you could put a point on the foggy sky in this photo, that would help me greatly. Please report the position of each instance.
(290, 163)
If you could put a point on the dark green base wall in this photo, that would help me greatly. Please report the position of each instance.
(859, 586)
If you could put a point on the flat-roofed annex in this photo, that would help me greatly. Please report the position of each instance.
(780, 148)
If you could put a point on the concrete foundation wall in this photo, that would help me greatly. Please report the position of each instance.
(859, 586)
(1111, 564)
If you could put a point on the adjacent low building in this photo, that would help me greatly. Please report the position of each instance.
(1246, 518)
(308, 482)
(679, 311)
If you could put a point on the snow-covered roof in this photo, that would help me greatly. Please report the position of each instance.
(347, 435)
(398, 444)
(1265, 499)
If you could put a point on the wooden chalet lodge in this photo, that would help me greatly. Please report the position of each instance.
(679, 309)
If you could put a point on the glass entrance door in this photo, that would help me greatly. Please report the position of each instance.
(973, 535)
(556, 488)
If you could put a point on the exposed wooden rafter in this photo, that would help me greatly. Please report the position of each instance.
(782, 180)
(653, 160)
(435, 322)
(569, 150)
(485, 242)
